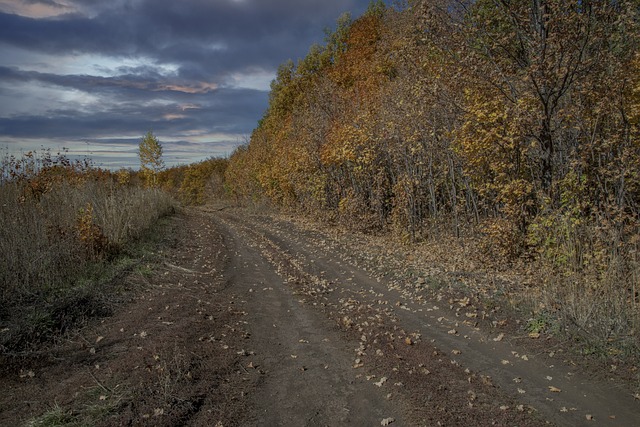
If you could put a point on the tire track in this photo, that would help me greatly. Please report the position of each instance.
(526, 382)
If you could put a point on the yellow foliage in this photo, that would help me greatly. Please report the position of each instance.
(91, 235)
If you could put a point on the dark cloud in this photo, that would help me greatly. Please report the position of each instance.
(225, 111)
(144, 80)
(169, 30)
(181, 68)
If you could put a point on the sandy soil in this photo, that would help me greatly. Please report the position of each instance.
(255, 320)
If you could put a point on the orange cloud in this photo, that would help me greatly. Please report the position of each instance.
(173, 116)
(36, 10)
(199, 87)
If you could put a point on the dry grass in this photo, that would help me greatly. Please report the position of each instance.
(62, 229)
(597, 299)
(41, 240)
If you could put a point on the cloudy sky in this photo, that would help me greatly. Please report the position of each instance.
(95, 75)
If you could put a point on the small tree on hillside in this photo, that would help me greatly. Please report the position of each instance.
(150, 152)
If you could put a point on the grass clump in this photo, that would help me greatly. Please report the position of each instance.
(55, 417)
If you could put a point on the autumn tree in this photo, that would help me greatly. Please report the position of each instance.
(514, 121)
(151, 162)
(448, 113)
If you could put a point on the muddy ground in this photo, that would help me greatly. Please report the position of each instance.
(253, 319)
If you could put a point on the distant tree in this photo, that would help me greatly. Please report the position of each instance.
(151, 163)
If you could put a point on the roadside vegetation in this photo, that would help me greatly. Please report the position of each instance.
(66, 234)
(70, 231)
(197, 183)
(193, 184)
(512, 128)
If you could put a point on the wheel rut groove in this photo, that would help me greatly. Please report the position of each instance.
(551, 388)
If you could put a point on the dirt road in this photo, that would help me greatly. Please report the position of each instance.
(256, 320)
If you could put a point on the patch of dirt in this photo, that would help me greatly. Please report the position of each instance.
(260, 320)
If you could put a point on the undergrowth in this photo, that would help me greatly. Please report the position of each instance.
(68, 233)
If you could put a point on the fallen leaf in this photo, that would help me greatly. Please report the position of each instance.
(381, 382)
(25, 374)
(100, 338)
(553, 389)
(499, 338)
(464, 302)
(534, 335)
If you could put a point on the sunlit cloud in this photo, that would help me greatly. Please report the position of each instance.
(37, 9)
(173, 116)
(28, 98)
(186, 107)
(195, 87)
(255, 79)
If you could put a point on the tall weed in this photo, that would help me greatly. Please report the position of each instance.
(592, 273)
(42, 240)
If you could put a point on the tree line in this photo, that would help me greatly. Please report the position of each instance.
(516, 118)
(191, 184)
